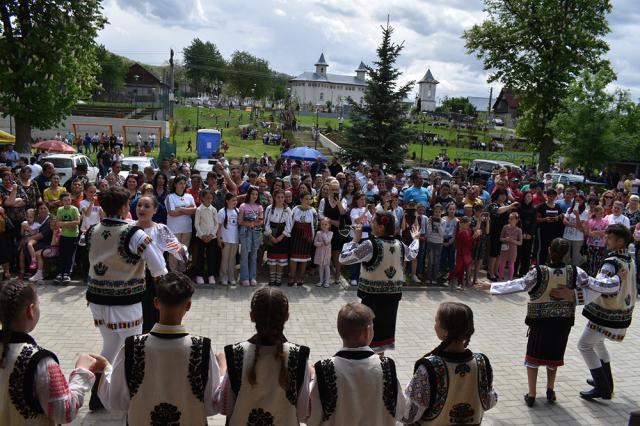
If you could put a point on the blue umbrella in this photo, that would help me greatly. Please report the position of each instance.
(303, 153)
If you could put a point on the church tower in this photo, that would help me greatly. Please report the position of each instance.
(321, 66)
(361, 71)
(427, 92)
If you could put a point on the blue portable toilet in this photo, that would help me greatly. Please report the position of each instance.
(207, 142)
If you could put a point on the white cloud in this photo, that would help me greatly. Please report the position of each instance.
(346, 31)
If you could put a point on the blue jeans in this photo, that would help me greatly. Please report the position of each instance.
(448, 259)
(250, 241)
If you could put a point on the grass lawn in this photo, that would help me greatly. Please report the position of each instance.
(430, 152)
(310, 120)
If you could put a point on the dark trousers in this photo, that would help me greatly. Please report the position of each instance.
(67, 254)
(524, 257)
(209, 252)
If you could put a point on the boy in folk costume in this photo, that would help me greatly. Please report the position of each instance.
(609, 313)
(549, 319)
(167, 376)
(118, 252)
(355, 386)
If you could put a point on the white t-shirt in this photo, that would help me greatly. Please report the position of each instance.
(36, 169)
(179, 224)
(92, 219)
(356, 212)
(228, 234)
(618, 220)
(573, 234)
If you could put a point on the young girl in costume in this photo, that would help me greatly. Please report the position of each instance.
(267, 378)
(322, 256)
(305, 222)
(451, 385)
(41, 394)
(277, 233)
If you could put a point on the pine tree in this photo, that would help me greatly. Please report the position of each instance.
(378, 132)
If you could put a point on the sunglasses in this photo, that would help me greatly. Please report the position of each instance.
(609, 197)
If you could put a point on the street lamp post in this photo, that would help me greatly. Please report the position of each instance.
(422, 138)
(315, 142)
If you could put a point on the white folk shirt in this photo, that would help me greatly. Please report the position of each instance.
(59, 399)
(165, 384)
(362, 390)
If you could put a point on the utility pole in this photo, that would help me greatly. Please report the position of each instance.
(171, 85)
(489, 106)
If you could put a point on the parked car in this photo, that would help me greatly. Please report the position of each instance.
(498, 122)
(65, 163)
(481, 169)
(203, 166)
(142, 162)
(425, 172)
(572, 179)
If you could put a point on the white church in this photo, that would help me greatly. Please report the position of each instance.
(319, 87)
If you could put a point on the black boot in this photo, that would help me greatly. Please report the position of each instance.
(607, 370)
(602, 388)
(94, 403)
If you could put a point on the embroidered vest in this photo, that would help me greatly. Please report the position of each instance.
(615, 310)
(266, 402)
(384, 273)
(541, 307)
(166, 376)
(357, 387)
(20, 406)
(116, 276)
(460, 390)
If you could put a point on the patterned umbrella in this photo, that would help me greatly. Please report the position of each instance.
(53, 145)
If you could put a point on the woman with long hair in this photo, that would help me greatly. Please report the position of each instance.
(166, 241)
(574, 221)
(382, 275)
(499, 215)
(606, 201)
(527, 213)
(250, 219)
(334, 208)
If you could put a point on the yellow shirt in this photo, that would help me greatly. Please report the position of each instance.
(50, 195)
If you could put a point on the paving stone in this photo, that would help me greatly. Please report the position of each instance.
(66, 327)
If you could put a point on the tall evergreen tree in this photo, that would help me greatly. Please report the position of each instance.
(378, 133)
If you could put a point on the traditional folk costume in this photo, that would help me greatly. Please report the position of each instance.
(356, 387)
(166, 242)
(381, 281)
(277, 221)
(34, 389)
(118, 254)
(266, 402)
(165, 377)
(450, 389)
(549, 320)
(305, 222)
(609, 314)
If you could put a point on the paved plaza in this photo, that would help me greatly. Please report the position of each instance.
(222, 314)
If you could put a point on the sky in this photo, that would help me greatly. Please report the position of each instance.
(291, 34)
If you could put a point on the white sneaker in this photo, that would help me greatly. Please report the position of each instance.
(325, 285)
(232, 282)
(319, 284)
(199, 280)
(246, 283)
(415, 279)
(353, 283)
(254, 283)
(212, 279)
(37, 276)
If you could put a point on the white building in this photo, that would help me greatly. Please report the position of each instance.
(427, 92)
(320, 87)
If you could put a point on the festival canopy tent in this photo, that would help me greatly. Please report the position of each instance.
(7, 138)
(53, 145)
(303, 153)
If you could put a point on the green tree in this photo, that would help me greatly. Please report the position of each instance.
(457, 105)
(626, 127)
(585, 126)
(378, 131)
(538, 48)
(205, 66)
(48, 60)
(113, 70)
(249, 76)
(279, 86)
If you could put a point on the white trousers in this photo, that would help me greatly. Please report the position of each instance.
(592, 348)
(112, 341)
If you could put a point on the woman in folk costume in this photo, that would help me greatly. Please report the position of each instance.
(33, 389)
(549, 318)
(267, 379)
(382, 273)
(609, 312)
(166, 242)
(119, 252)
(451, 385)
